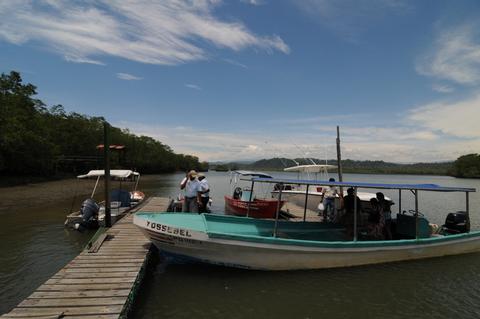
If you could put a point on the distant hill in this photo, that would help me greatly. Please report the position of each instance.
(348, 166)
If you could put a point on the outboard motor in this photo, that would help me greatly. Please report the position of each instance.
(456, 223)
(89, 211)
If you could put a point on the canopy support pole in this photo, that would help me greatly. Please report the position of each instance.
(136, 183)
(355, 214)
(339, 160)
(416, 214)
(305, 208)
(95, 187)
(399, 201)
(467, 209)
(250, 199)
(278, 210)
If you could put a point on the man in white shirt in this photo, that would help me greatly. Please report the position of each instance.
(204, 193)
(192, 196)
(329, 195)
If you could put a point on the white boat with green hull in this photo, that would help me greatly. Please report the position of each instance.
(282, 245)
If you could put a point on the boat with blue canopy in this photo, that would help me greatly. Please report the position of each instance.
(274, 244)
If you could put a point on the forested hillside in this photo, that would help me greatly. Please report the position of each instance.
(39, 141)
(349, 166)
(467, 166)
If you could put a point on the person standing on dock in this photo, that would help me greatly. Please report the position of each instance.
(204, 193)
(329, 195)
(192, 196)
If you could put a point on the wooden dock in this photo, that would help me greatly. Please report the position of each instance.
(101, 281)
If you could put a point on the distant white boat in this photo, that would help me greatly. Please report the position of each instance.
(296, 193)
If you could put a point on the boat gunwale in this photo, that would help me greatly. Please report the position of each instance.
(314, 243)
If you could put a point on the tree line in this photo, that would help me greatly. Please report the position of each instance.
(36, 140)
(466, 166)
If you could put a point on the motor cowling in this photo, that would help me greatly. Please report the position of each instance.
(457, 223)
(89, 209)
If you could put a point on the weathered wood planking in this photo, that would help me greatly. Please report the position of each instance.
(96, 284)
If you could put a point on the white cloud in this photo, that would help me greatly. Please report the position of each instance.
(164, 32)
(442, 88)
(193, 86)
(253, 2)
(455, 55)
(236, 63)
(128, 77)
(406, 144)
(459, 119)
(349, 18)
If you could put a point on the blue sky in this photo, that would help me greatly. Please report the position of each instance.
(248, 79)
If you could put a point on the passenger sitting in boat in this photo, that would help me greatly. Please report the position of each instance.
(349, 205)
(387, 213)
(376, 221)
(237, 193)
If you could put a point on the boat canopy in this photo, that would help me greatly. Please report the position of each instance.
(423, 187)
(252, 173)
(115, 173)
(314, 168)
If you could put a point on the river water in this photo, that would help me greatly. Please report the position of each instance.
(35, 245)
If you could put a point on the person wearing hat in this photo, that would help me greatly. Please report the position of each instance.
(204, 193)
(191, 185)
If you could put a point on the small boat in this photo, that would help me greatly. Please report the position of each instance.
(263, 244)
(244, 202)
(92, 214)
(296, 193)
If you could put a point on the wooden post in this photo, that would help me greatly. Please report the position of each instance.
(416, 214)
(106, 157)
(467, 208)
(339, 160)
(278, 210)
(399, 201)
(355, 208)
(250, 199)
(306, 202)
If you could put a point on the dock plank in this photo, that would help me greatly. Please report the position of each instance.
(72, 302)
(79, 294)
(98, 282)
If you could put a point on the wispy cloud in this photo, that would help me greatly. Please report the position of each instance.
(163, 32)
(412, 143)
(253, 2)
(128, 77)
(442, 88)
(236, 63)
(458, 118)
(350, 18)
(193, 86)
(455, 55)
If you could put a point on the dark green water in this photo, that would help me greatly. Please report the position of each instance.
(35, 246)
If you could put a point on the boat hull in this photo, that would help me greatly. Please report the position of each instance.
(259, 208)
(271, 253)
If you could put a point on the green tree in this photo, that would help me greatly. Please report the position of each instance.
(467, 166)
(35, 140)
